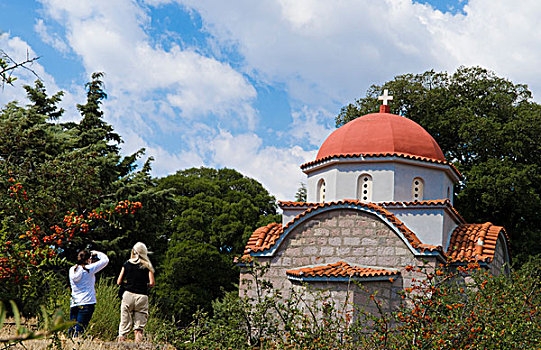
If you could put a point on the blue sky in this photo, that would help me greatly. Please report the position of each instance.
(253, 85)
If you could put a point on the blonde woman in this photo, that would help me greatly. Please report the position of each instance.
(137, 276)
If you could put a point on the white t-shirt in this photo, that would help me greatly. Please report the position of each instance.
(82, 281)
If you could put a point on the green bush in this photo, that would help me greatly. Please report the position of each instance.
(452, 309)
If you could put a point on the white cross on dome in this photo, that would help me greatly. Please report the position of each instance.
(385, 97)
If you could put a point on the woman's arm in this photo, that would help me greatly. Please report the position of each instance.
(151, 282)
(98, 265)
(120, 277)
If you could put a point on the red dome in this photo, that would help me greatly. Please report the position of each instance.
(381, 133)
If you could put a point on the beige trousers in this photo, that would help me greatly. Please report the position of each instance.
(133, 313)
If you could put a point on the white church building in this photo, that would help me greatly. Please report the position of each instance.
(379, 198)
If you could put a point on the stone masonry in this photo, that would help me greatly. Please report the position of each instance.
(350, 235)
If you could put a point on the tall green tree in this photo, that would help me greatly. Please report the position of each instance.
(73, 167)
(213, 214)
(490, 129)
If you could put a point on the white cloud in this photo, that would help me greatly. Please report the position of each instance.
(329, 52)
(109, 36)
(54, 40)
(276, 168)
(311, 125)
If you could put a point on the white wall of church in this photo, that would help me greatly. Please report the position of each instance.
(391, 181)
(432, 225)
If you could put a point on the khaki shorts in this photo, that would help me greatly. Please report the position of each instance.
(133, 312)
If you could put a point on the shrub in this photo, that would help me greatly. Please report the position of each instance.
(464, 308)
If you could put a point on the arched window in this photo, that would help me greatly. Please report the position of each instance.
(321, 191)
(364, 188)
(417, 189)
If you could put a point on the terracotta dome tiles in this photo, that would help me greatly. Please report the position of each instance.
(381, 133)
(340, 269)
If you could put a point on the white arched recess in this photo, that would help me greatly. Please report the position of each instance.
(321, 191)
(364, 188)
(417, 189)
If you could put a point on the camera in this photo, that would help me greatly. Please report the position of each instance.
(93, 257)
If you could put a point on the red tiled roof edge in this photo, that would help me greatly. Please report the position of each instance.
(287, 204)
(263, 238)
(341, 269)
(475, 242)
(276, 230)
(379, 155)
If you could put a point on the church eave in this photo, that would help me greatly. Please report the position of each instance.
(382, 157)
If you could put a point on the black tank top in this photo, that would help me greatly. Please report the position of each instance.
(136, 277)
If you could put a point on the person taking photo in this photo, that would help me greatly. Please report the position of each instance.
(83, 294)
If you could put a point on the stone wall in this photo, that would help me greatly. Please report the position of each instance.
(499, 262)
(350, 235)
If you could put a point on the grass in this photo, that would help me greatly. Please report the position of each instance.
(102, 331)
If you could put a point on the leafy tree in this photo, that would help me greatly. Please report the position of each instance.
(488, 127)
(73, 168)
(213, 214)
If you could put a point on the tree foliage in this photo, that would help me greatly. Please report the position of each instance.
(54, 175)
(490, 129)
(213, 214)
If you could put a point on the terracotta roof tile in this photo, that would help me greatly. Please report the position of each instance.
(263, 238)
(341, 269)
(477, 242)
(380, 155)
(287, 204)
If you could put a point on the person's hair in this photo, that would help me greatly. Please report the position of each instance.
(139, 255)
(82, 258)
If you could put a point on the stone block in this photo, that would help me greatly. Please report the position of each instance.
(359, 251)
(300, 261)
(386, 251)
(352, 241)
(336, 232)
(311, 250)
(371, 251)
(402, 251)
(369, 242)
(390, 261)
(335, 241)
(294, 251)
(330, 221)
(320, 231)
(286, 261)
(327, 251)
(343, 251)
(346, 223)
